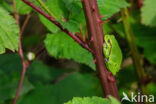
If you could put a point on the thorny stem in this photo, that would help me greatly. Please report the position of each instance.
(142, 76)
(96, 33)
(58, 25)
(25, 63)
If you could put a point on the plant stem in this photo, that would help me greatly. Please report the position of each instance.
(96, 33)
(25, 66)
(135, 55)
(25, 23)
(25, 63)
(50, 18)
(15, 13)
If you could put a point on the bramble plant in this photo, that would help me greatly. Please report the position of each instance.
(76, 51)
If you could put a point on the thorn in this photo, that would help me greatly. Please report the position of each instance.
(110, 77)
(107, 96)
(102, 22)
(91, 39)
(93, 8)
(99, 21)
(101, 16)
(94, 60)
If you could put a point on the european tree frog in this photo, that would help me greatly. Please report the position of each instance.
(112, 53)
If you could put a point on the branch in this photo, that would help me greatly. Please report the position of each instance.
(15, 13)
(95, 29)
(25, 63)
(25, 23)
(58, 25)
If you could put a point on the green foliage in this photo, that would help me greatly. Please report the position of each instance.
(49, 25)
(57, 7)
(148, 13)
(88, 100)
(8, 86)
(49, 80)
(145, 38)
(109, 7)
(6, 6)
(22, 8)
(152, 86)
(75, 16)
(38, 72)
(8, 32)
(75, 84)
(10, 71)
(75, 19)
(71, 25)
(60, 45)
(93, 100)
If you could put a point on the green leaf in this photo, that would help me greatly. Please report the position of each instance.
(71, 25)
(48, 24)
(88, 100)
(78, 85)
(119, 29)
(22, 8)
(109, 7)
(148, 13)
(57, 7)
(7, 6)
(151, 87)
(93, 100)
(75, 16)
(113, 100)
(10, 72)
(39, 72)
(8, 86)
(145, 38)
(8, 32)
(60, 45)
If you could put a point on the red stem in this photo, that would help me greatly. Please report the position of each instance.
(96, 32)
(58, 25)
(25, 64)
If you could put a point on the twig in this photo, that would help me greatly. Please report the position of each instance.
(15, 13)
(25, 23)
(40, 52)
(25, 63)
(58, 25)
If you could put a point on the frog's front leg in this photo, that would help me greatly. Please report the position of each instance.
(106, 60)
